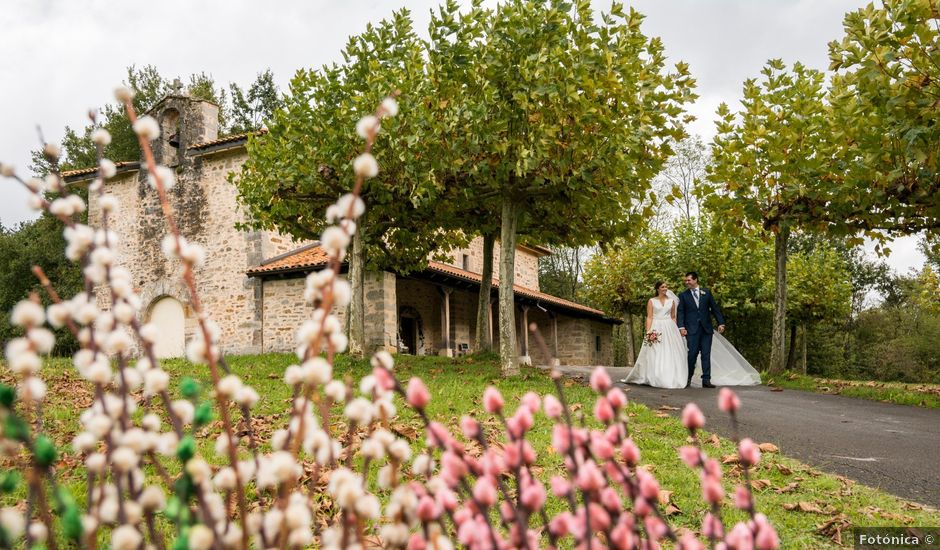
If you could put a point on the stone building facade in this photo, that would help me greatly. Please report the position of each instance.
(252, 282)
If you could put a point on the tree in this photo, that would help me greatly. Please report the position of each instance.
(772, 163)
(886, 101)
(681, 181)
(253, 108)
(303, 164)
(561, 118)
(560, 272)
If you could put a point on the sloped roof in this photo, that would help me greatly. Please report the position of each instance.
(312, 256)
(122, 166)
(227, 140)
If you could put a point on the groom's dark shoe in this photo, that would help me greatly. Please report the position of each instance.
(707, 385)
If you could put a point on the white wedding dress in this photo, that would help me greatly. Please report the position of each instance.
(665, 364)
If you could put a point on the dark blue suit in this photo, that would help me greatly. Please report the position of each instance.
(696, 320)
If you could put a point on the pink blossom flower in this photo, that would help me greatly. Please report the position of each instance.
(528, 453)
(655, 527)
(492, 400)
(447, 499)
(533, 496)
(767, 538)
(689, 542)
(561, 439)
(493, 463)
(560, 486)
(559, 524)
(711, 527)
(749, 452)
(417, 542)
(649, 487)
(590, 477)
(427, 509)
(712, 468)
(603, 411)
(383, 378)
(417, 394)
(740, 537)
(622, 536)
(532, 401)
(600, 519)
(602, 448)
(469, 427)
(553, 408)
(728, 401)
(524, 418)
(617, 398)
(642, 507)
(692, 417)
(742, 498)
(611, 500)
(600, 380)
(690, 455)
(484, 491)
(712, 491)
(630, 452)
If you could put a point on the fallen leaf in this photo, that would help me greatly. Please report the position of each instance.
(671, 510)
(714, 440)
(776, 388)
(788, 488)
(784, 470)
(730, 459)
(662, 415)
(760, 483)
(768, 448)
(668, 408)
(803, 506)
(834, 527)
(664, 497)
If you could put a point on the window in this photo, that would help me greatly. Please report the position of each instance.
(597, 343)
(466, 262)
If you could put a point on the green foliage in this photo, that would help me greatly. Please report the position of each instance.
(189, 388)
(38, 242)
(45, 452)
(253, 108)
(886, 101)
(303, 164)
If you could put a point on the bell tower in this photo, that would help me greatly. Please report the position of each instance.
(184, 122)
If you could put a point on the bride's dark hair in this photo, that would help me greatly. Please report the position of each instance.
(656, 288)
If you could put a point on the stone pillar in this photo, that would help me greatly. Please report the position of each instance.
(381, 312)
(524, 358)
(446, 349)
(555, 360)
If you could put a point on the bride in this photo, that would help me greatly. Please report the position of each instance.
(664, 363)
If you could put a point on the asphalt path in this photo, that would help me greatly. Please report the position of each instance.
(893, 447)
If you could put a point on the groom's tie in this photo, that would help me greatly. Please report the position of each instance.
(695, 295)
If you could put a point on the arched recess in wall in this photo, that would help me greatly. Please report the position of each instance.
(168, 315)
(410, 331)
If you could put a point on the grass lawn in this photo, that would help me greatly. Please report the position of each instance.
(810, 508)
(918, 395)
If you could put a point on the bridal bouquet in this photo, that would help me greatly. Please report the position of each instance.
(652, 337)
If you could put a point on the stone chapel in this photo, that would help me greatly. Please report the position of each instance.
(252, 282)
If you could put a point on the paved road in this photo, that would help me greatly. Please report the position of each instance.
(892, 447)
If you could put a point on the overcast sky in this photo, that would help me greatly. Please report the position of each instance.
(58, 58)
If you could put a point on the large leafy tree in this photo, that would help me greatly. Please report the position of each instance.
(886, 103)
(559, 117)
(252, 108)
(303, 163)
(772, 163)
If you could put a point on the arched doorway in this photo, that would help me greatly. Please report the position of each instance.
(168, 316)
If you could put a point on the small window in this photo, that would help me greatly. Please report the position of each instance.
(466, 262)
(597, 343)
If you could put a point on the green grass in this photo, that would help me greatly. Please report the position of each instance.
(917, 395)
(457, 385)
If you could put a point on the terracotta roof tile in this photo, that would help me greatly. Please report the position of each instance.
(225, 140)
(295, 260)
(93, 169)
(313, 256)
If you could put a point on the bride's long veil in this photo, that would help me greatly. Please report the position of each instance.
(729, 367)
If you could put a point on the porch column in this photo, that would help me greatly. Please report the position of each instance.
(555, 360)
(524, 358)
(445, 322)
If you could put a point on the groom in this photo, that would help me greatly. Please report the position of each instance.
(693, 315)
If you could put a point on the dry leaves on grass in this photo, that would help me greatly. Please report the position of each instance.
(803, 506)
(874, 512)
(669, 508)
(768, 448)
(783, 469)
(668, 408)
(714, 440)
(834, 527)
(788, 488)
(760, 484)
(730, 459)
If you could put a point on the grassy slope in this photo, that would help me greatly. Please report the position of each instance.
(457, 385)
(918, 395)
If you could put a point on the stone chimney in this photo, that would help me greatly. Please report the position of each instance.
(184, 122)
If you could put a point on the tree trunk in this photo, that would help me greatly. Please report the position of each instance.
(778, 339)
(507, 310)
(357, 304)
(791, 348)
(628, 329)
(804, 347)
(483, 340)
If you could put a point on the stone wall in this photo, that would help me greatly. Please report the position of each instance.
(206, 211)
(381, 312)
(424, 299)
(527, 262)
(284, 310)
